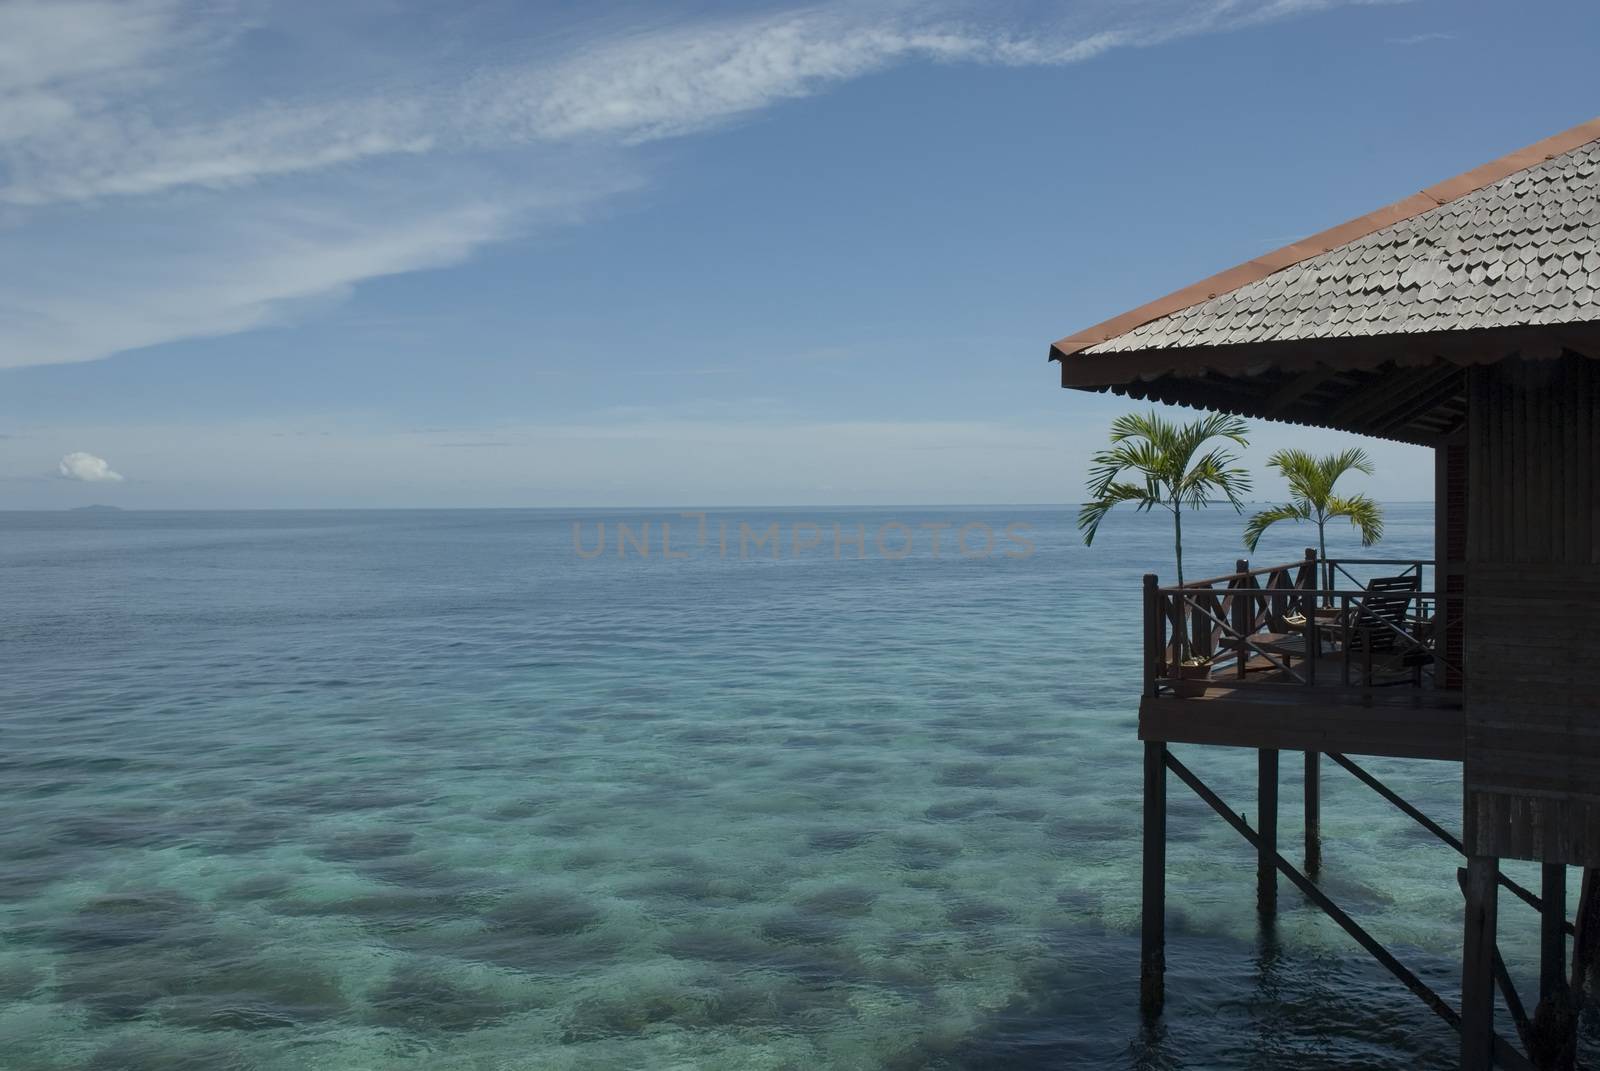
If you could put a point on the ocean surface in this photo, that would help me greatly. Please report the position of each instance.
(450, 790)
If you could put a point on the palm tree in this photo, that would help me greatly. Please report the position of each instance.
(1161, 456)
(1311, 497)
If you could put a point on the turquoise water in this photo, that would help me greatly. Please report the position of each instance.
(432, 790)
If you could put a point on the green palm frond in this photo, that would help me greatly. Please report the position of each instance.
(1214, 475)
(1302, 470)
(1365, 515)
(1111, 494)
(1335, 465)
(1215, 426)
(1139, 457)
(1311, 481)
(1153, 462)
(1149, 426)
(1258, 524)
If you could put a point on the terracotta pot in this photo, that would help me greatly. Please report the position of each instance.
(1191, 679)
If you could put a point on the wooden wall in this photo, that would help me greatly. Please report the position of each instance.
(1533, 598)
(1450, 557)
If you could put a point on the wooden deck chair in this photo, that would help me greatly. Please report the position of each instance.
(1385, 631)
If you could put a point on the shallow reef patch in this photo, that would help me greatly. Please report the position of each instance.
(416, 997)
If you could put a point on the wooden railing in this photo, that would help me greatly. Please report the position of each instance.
(1303, 623)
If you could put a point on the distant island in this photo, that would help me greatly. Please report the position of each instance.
(95, 509)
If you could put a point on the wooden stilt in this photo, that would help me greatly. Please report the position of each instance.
(1586, 935)
(1552, 1038)
(1318, 897)
(1153, 920)
(1552, 931)
(1477, 967)
(1313, 811)
(1153, 912)
(1267, 828)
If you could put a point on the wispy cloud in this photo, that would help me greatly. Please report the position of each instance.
(264, 179)
(74, 67)
(1420, 38)
(685, 80)
(222, 265)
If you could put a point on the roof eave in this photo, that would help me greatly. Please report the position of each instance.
(1483, 345)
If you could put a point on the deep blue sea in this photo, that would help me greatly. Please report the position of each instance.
(448, 790)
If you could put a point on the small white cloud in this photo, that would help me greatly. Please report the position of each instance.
(88, 469)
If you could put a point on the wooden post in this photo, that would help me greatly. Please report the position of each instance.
(1313, 799)
(1313, 811)
(1344, 640)
(1552, 930)
(1477, 964)
(1552, 1037)
(1153, 916)
(1586, 935)
(1153, 656)
(1153, 911)
(1318, 897)
(1315, 568)
(1243, 612)
(1313, 635)
(1267, 827)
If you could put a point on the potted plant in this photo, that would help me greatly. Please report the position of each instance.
(1191, 677)
(1172, 470)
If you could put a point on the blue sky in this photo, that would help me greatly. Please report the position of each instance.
(380, 253)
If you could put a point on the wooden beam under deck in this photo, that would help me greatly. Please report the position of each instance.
(1398, 723)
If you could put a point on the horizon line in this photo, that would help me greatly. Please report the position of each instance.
(107, 508)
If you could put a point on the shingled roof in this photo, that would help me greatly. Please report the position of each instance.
(1521, 251)
(1505, 258)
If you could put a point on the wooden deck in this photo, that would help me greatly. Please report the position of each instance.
(1290, 666)
(1406, 723)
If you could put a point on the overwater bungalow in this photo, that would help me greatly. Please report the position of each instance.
(1465, 318)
